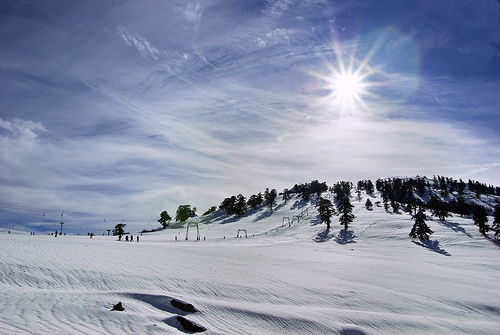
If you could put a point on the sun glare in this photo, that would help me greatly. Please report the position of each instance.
(348, 80)
(347, 86)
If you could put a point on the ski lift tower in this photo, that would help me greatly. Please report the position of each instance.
(61, 227)
(193, 223)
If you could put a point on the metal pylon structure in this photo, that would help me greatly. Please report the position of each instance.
(195, 223)
(242, 231)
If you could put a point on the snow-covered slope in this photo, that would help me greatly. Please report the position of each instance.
(289, 276)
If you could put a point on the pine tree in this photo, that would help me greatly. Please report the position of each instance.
(253, 202)
(461, 207)
(386, 204)
(184, 212)
(164, 219)
(395, 206)
(438, 208)
(411, 201)
(369, 187)
(227, 205)
(480, 218)
(119, 231)
(210, 210)
(345, 210)
(326, 210)
(286, 195)
(270, 198)
(420, 229)
(240, 206)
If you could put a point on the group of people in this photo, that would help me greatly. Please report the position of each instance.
(127, 238)
(54, 234)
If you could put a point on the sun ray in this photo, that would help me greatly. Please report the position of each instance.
(347, 79)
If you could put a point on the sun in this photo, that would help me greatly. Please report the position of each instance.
(348, 81)
(347, 86)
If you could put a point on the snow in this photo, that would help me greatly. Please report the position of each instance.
(282, 279)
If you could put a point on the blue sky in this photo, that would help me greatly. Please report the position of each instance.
(124, 109)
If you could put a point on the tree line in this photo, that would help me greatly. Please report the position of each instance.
(413, 195)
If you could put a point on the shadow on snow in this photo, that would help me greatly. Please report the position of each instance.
(432, 246)
(324, 236)
(345, 237)
(455, 227)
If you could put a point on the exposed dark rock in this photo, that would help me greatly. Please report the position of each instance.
(118, 307)
(190, 325)
(183, 306)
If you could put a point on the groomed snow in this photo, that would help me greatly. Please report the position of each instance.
(282, 279)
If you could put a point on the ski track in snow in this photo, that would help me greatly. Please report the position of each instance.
(282, 279)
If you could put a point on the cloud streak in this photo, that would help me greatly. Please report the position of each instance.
(141, 44)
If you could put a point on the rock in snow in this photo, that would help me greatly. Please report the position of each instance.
(190, 325)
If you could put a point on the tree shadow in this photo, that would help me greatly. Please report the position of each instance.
(432, 246)
(299, 204)
(455, 227)
(278, 206)
(316, 221)
(345, 237)
(324, 236)
(214, 217)
(265, 214)
(493, 240)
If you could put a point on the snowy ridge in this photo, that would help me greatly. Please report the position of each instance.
(292, 278)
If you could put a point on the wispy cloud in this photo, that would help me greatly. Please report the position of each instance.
(192, 13)
(166, 103)
(140, 43)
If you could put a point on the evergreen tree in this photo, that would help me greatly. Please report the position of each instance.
(480, 218)
(395, 206)
(210, 210)
(184, 212)
(369, 187)
(271, 198)
(286, 195)
(253, 202)
(342, 188)
(496, 222)
(461, 207)
(438, 208)
(164, 219)
(411, 201)
(316, 187)
(326, 210)
(345, 210)
(227, 205)
(360, 185)
(119, 231)
(260, 198)
(421, 186)
(420, 229)
(240, 205)
(386, 204)
(461, 186)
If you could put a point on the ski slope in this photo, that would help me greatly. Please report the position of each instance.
(283, 278)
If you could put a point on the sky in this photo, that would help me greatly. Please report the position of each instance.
(116, 110)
